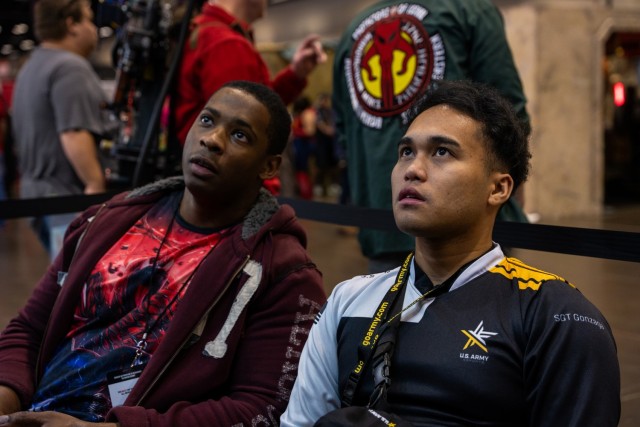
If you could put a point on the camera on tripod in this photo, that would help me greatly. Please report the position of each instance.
(139, 152)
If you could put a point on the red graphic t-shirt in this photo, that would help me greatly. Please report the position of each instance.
(128, 293)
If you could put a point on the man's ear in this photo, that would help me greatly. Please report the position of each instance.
(501, 189)
(71, 26)
(271, 166)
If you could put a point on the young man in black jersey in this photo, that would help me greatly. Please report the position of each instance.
(483, 339)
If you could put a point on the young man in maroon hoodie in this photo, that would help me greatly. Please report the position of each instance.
(185, 302)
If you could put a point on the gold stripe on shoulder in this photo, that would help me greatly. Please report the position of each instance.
(527, 276)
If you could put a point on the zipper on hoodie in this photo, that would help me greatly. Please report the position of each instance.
(188, 339)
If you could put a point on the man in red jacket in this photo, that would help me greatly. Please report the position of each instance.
(182, 303)
(220, 49)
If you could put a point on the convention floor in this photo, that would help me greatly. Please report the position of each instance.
(611, 285)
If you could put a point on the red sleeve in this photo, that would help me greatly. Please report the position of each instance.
(237, 59)
(288, 85)
(231, 59)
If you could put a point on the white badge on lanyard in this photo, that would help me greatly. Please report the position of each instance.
(121, 383)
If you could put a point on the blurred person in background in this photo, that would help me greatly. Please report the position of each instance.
(220, 48)
(303, 130)
(388, 56)
(325, 151)
(57, 113)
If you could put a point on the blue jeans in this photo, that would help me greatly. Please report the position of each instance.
(50, 230)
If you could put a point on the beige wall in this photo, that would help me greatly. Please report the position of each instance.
(559, 46)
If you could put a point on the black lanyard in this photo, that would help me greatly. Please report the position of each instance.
(387, 305)
(388, 308)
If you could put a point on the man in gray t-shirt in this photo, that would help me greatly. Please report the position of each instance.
(57, 112)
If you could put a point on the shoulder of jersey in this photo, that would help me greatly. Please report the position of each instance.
(527, 277)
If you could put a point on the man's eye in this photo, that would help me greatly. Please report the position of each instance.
(405, 151)
(240, 135)
(205, 119)
(441, 151)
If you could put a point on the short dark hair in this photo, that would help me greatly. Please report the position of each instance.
(300, 104)
(279, 121)
(505, 134)
(50, 16)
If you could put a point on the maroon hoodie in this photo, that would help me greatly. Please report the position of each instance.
(230, 355)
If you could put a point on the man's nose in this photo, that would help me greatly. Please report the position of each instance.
(415, 170)
(213, 140)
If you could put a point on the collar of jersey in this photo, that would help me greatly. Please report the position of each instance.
(473, 270)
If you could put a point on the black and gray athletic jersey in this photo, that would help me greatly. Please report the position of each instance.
(508, 345)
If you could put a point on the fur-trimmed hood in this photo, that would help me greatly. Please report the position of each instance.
(262, 211)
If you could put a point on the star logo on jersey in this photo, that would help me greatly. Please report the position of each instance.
(381, 418)
(477, 337)
(392, 61)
